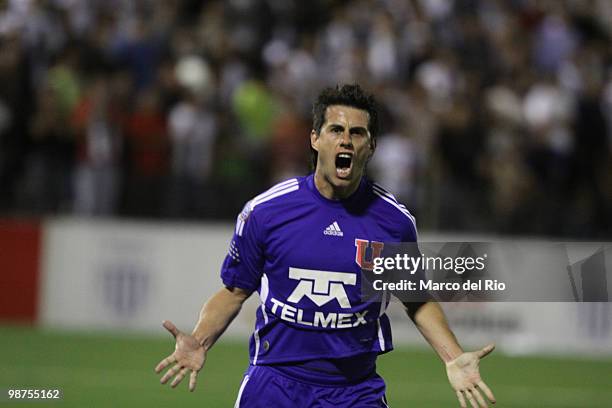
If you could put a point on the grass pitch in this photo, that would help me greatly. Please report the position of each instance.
(109, 370)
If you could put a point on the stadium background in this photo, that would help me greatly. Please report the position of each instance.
(132, 132)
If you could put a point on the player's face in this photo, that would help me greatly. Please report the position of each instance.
(344, 146)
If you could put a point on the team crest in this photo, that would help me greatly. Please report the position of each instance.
(366, 252)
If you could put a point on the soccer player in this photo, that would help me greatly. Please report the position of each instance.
(302, 245)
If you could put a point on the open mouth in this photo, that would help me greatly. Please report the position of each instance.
(344, 162)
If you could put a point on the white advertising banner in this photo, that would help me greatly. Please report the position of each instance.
(132, 275)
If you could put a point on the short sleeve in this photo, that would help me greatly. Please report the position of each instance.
(243, 264)
(409, 233)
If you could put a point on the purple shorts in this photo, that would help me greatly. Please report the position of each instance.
(268, 387)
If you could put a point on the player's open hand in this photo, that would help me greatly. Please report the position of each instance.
(464, 376)
(188, 355)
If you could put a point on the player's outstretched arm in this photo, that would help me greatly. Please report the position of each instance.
(190, 349)
(462, 367)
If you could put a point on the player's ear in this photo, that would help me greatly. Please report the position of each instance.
(372, 147)
(314, 140)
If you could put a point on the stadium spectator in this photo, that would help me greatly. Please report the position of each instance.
(97, 129)
(46, 182)
(16, 100)
(148, 154)
(193, 130)
(287, 148)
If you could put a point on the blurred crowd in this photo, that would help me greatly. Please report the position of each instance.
(496, 114)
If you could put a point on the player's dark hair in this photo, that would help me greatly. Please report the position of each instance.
(346, 95)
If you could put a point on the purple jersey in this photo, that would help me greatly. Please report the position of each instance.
(304, 254)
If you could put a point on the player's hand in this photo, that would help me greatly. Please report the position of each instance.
(464, 376)
(188, 355)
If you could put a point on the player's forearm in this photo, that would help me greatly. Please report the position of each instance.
(217, 313)
(431, 322)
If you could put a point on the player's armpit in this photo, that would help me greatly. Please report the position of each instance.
(241, 294)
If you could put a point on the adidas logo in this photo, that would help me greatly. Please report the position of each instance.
(333, 229)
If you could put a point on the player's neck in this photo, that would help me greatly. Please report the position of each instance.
(332, 192)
